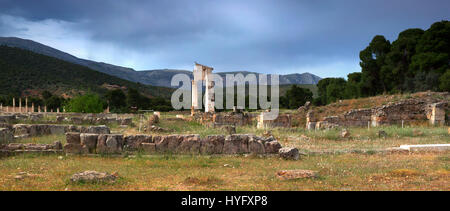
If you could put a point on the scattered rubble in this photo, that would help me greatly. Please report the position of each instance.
(296, 174)
(289, 153)
(6, 136)
(382, 134)
(345, 133)
(93, 177)
(152, 120)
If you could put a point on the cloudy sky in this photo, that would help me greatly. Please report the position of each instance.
(322, 37)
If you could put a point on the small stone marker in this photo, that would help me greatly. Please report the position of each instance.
(296, 174)
(289, 153)
(93, 177)
(345, 133)
(382, 134)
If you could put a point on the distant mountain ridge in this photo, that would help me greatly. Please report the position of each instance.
(160, 77)
(26, 73)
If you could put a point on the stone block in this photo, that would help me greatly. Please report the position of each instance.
(289, 153)
(190, 144)
(89, 141)
(73, 138)
(212, 144)
(133, 142)
(236, 144)
(149, 148)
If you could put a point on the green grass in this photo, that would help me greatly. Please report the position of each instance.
(336, 172)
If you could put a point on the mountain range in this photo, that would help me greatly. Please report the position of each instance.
(160, 77)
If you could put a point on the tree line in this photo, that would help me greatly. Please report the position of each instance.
(417, 61)
(117, 100)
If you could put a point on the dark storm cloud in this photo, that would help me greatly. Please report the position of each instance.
(277, 36)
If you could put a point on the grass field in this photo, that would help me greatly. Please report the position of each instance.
(336, 172)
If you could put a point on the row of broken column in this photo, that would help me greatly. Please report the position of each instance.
(25, 109)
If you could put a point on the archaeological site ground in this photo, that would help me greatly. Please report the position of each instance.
(361, 147)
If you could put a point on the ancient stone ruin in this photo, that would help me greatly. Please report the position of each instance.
(90, 143)
(202, 74)
(404, 112)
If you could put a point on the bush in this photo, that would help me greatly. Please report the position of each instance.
(89, 103)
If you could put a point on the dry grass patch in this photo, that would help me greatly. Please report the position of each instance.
(337, 172)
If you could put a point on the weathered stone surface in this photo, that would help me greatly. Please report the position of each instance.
(89, 141)
(109, 143)
(212, 144)
(236, 144)
(149, 148)
(76, 120)
(190, 144)
(282, 120)
(20, 129)
(57, 145)
(6, 136)
(162, 143)
(154, 128)
(296, 174)
(56, 129)
(427, 147)
(230, 129)
(73, 138)
(272, 147)
(382, 134)
(289, 153)
(7, 118)
(345, 133)
(173, 141)
(234, 118)
(31, 130)
(30, 147)
(401, 112)
(126, 121)
(133, 142)
(72, 148)
(256, 145)
(93, 177)
(101, 129)
(59, 119)
(153, 119)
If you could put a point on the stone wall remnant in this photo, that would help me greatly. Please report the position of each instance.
(283, 120)
(406, 111)
(31, 130)
(6, 136)
(85, 143)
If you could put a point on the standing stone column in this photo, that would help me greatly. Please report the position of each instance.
(20, 105)
(438, 114)
(57, 110)
(32, 107)
(39, 109)
(14, 105)
(26, 105)
(45, 109)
